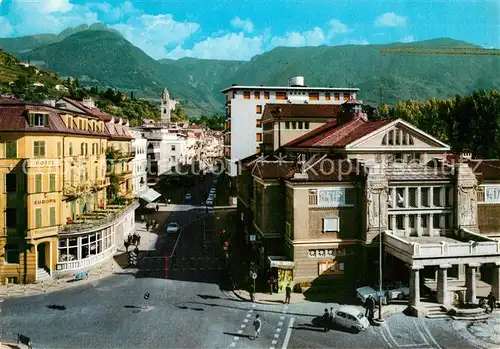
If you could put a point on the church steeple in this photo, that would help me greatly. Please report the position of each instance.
(165, 107)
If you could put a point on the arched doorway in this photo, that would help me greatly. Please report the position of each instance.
(42, 250)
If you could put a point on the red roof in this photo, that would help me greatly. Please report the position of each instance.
(333, 136)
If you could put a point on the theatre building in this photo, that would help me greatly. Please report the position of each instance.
(55, 214)
(322, 201)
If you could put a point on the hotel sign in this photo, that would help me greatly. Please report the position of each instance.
(45, 201)
(331, 197)
(492, 194)
(43, 163)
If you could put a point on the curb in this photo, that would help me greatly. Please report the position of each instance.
(238, 295)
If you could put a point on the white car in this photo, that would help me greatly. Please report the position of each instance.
(362, 294)
(352, 318)
(188, 196)
(172, 228)
(398, 292)
(209, 202)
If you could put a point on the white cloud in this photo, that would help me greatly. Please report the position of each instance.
(313, 37)
(337, 27)
(390, 19)
(355, 42)
(5, 27)
(233, 46)
(245, 24)
(152, 33)
(408, 38)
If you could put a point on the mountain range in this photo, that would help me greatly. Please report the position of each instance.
(99, 56)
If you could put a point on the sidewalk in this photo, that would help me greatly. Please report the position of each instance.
(267, 298)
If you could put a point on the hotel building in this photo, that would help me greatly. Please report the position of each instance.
(245, 106)
(59, 211)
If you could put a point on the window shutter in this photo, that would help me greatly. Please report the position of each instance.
(38, 183)
(52, 216)
(52, 182)
(38, 218)
(330, 224)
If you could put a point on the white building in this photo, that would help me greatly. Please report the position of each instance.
(167, 106)
(140, 162)
(245, 106)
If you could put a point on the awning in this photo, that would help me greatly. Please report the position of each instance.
(280, 262)
(149, 195)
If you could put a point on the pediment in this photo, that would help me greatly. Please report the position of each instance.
(398, 135)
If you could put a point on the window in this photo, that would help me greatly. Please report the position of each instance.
(280, 95)
(294, 125)
(436, 196)
(449, 196)
(400, 200)
(246, 95)
(258, 137)
(93, 148)
(330, 224)
(436, 221)
(12, 254)
(306, 125)
(10, 183)
(70, 149)
(400, 222)
(327, 96)
(346, 96)
(38, 120)
(412, 197)
(313, 96)
(258, 109)
(59, 152)
(10, 217)
(52, 182)
(52, 216)
(448, 221)
(82, 148)
(258, 123)
(38, 218)
(172, 147)
(336, 96)
(39, 149)
(424, 197)
(38, 183)
(287, 125)
(11, 150)
(256, 95)
(266, 95)
(257, 150)
(172, 158)
(423, 221)
(300, 125)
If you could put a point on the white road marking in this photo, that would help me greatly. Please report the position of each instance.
(420, 332)
(421, 345)
(280, 323)
(433, 340)
(236, 338)
(240, 331)
(271, 348)
(282, 318)
(246, 320)
(384, 337)
(274, 341)
(390, 335)
(276, 335)
(254, 305)
(278, 330)
(288, 334)
(248, 315)
(233, 345)
(250, 311)
(243, 326)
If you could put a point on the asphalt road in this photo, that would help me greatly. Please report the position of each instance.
(188, 309)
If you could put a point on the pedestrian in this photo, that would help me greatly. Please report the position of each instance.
(257, 325)
(332, 315)
(147, 226)
(370, 306)
(326, 320)
(252, 293)
(157, 207)
(492, 301)
(288, 294)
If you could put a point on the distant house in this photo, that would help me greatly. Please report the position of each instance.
(37, 84)
(61, 88)
(24, 64)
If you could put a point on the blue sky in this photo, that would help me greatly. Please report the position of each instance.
(240, 29)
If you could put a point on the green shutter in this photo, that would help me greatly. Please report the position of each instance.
(52, 216)
(52, 182)
(38, 218)
(11, 150)
(38, 183)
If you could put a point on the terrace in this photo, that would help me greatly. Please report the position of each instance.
(98, 218)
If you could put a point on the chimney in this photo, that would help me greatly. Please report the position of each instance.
(89, 103)
(466, 154)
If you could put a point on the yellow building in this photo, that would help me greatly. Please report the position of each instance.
(56, 217)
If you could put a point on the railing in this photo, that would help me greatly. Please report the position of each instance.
(96, 224)
(398, 243)
(86, 262)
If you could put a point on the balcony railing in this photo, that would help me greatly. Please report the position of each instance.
(98, 218)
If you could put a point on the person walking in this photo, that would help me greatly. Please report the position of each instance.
(157, 207)
(491, 301)
(288, 294)
(257, 325)
(370, 306)
(332, 315)
(326, 320)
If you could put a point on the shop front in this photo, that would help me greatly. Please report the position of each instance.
(280, 272)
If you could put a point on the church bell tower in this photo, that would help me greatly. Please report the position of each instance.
(165, 107)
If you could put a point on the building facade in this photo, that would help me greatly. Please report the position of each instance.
(245, 106)
(325, 199)
(56, 215)
(140, 163)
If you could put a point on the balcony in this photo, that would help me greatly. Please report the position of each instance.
(97, 219)
(71, 189)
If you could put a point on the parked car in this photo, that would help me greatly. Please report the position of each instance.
(172, 228)
(397, 291)
(364, 292)
(209, 202)
(188, 197)
(352, 318)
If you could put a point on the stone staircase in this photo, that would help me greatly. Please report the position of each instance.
(435, 311)
(42, 275)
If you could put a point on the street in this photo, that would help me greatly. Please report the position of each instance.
(188, 308)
